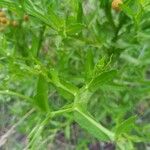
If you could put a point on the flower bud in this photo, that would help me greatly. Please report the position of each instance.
(116, 4)
(3, 20)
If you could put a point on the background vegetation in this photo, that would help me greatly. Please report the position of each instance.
(74, 74)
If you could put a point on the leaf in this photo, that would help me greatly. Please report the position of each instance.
(80, 12)
(34, 45)
(56, 21)
(100, 66)
(126, 126)
(82, 97)
(31, 9)
(127, 10)
(64, 85)
(89, 64)
(103, 3)
(55, 77)
(93, 127)
(102, 79)
(67, 132)
(41, 97)
(134, 10)
(11, 5)
(74, 29)
(51, 19)
(137, 139)
(72, 88)
(130, 59)
(65, 94)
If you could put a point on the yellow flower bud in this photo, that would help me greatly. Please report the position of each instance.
(115, 4)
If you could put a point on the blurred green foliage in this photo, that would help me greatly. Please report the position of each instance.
(76, 64)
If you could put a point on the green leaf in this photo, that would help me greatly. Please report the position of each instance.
(74, 29)
(41, 97)
(137, 139)
(93, 127)
(126, 126)
(60, 83)
(65, 94)
(100, 66)
(67, 132)
(51, 19)
(72, 88)
(55, 77)
(56, 21)
(32, 10)
(127, 10)
(102, 79)
(89, 64)
(11, 5)
(104, 3)
(80, 12)
(82, 98)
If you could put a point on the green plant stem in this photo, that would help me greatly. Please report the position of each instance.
(38, 129)
(8, 92)
(109, 17)
(62, 111)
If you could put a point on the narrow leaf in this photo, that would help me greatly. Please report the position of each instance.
(102, 79)
(89, 64)
(41, 97)
(126, 125)
(80, 12)
(60, 83)
(51, 19)
(74, 29)
(69, 86)
(93, 127)
(11, 5)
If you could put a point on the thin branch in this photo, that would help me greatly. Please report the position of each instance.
(62, 111)
(8, 92)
